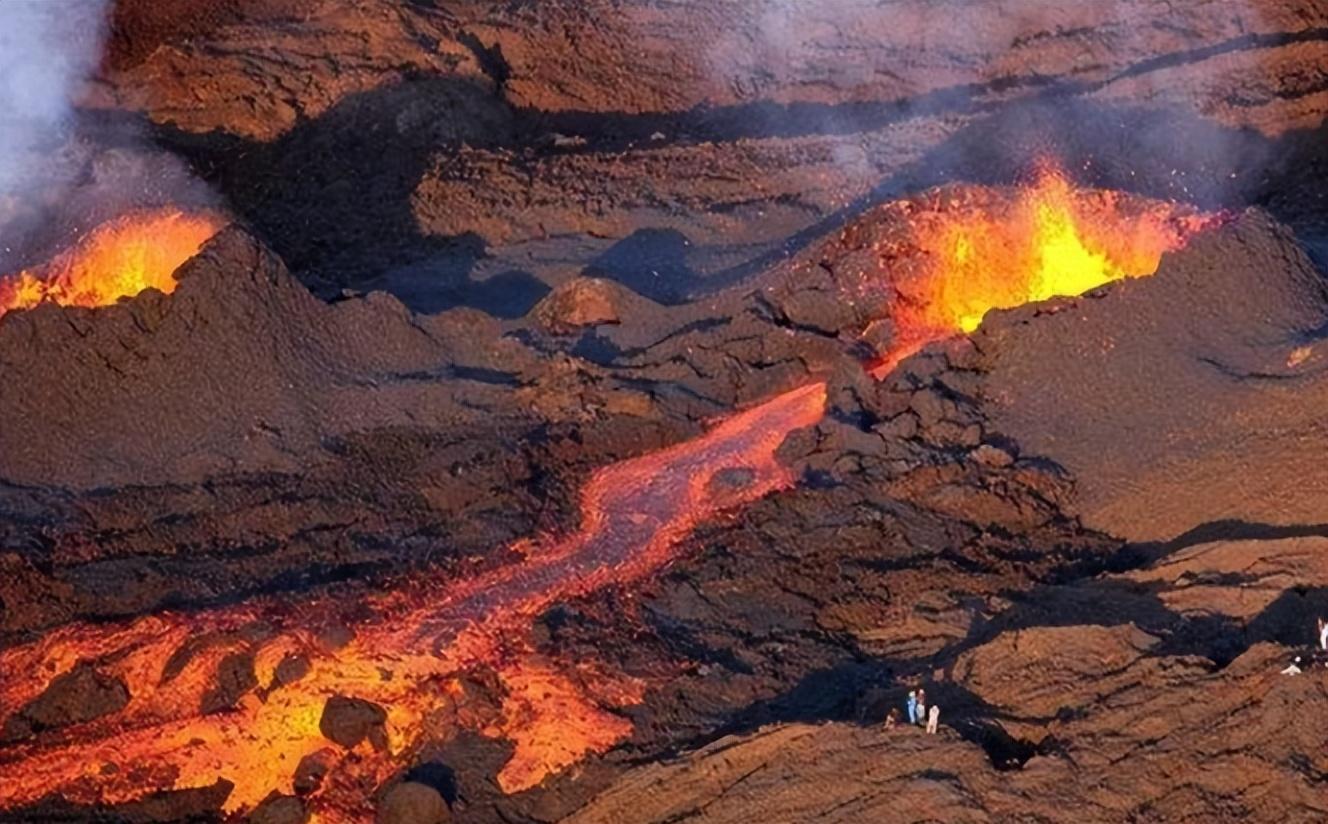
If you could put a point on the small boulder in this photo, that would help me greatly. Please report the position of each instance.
(291, 669)
(279, 809)
(79, 695)
(578, 304)
(412, 803)
(234, 677)
(333, 637)
(348, 721)
(732, 479)
(992, 456)
(311, 771)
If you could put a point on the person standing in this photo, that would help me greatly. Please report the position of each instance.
(1323, 634)
(912, 707)
(922, 707)
(933, 719)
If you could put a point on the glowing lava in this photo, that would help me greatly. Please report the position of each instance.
(118, 259)
(411, 649)
(980, 249)
(407, 655)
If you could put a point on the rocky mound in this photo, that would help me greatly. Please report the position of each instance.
(933, 547)
(1116, 722)
(1214, 395)
(240, 429)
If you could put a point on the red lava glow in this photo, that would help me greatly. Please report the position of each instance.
(982, 249)
(118, 259)
(408, 655)
(411, 649)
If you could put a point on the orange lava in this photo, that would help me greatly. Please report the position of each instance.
(118, 259)
(1051, 239)
(407, 654)
(411, 649)
(553, 725)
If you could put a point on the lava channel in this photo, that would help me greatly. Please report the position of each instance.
(404, 658)
(169, 725)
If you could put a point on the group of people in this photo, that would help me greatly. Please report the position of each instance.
(1320, 653)
(918, 712)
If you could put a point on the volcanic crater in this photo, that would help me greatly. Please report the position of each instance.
(597, 412)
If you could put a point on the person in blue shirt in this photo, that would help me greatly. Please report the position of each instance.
(912, 707)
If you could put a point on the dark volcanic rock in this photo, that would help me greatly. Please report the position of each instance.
(311, 770)
(240, 370)
(348, 721)
(290, 669)
(234, 677)
(1180, 367)
(580, 303)
(198, 804)
(412, 803)
(279, 809)
(1038, 706)
(79, 695)
(242, 416)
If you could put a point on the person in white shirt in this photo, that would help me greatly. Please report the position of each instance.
(933, 719)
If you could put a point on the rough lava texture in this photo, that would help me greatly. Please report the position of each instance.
(1248, 351)
(481, 249)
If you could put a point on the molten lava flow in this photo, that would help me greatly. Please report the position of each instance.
(983, 250)
(193, 715)
(408, 655)
(116, 260)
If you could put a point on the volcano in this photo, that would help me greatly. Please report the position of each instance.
(431, 411)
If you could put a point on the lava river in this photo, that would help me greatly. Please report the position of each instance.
(401, 658)
(238, 694)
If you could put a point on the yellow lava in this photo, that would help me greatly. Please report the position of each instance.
(1052, 241)
(118, 259)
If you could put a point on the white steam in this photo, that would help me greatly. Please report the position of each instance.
(48, 48)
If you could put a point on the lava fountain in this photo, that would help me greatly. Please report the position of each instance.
(118, 259)
(970, 249)
(241, 694)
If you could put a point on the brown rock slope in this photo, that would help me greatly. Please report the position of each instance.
(1121, 724)
(1148, 694)
(737, 125)
(240, 430)
(1179, 410)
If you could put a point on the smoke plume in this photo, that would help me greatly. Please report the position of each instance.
(47, 50)
(64, 171)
